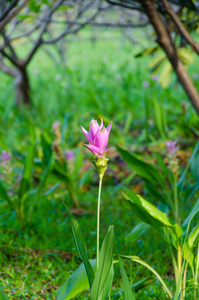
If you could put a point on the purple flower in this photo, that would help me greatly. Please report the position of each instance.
(97, 137)
(5, 156)
(56, 125)
(195, 76)
(155, 77)
(171, 145)
(145, 84)
(69, 155)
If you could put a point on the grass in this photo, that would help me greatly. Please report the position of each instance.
(101, 79)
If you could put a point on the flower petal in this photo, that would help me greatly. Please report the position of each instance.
(87, 135)
(109, 127)
(101, 139)
(94, 127)
(95, 150)
(101, 125)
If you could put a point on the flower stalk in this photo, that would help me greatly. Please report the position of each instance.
(98, 137)
(98, 217)
(101, 166)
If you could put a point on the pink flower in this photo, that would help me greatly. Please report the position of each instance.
(69, 155)
(56, 125)
(171, 145)
(155, 77)
(145, 84)
(97, 137)
(5, 156)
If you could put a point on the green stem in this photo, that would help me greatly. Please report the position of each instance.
(98, 216)
(176, 213)
(179, 260)
(196, 273)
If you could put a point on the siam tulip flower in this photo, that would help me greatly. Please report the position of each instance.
(69, 155)
(171, 145)
(56, 125)
(5, 156)
(155, 77)
(195, 76)
(97, 137)
(145, 84)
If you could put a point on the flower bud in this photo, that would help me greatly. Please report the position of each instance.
(101, 165)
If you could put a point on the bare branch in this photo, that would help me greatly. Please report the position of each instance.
(165, 41)
(180, 26)
(99, 24)
(11, 59)
(26, 33)
(43, 30)
(7, 43)
(8, 9)
(7, 69)
(14, 13)
(125, 5)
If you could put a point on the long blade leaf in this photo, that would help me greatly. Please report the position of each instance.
(104, 268)
(78, 238)
(128, 293)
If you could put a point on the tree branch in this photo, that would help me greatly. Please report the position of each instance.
(7, 43)
(181, 28)
(7, 69)
(125, 5)
(14, 13)
(43, 30)
(101, 24)
(8, 9)
(11, 59)
(164, 39)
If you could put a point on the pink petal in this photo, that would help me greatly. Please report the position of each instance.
(94, 127)
(95, 150)
(87, 135)
(109, 127)
(101, 139)
(101, 125)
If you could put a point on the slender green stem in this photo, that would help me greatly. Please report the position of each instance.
(176, 212)
(196, 273)
(98, 217)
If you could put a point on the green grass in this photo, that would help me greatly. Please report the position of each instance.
(101, 79)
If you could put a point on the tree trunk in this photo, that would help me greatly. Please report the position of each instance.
(22, 87)
(165, 41)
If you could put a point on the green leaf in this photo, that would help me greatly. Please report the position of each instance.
(76, 283)
(182, 179)
(195, 168)
(108, 283)
(191, 190)
(77, 235)
(102, 276)
(26, 178)
(147, 212)
(177, 295)
(147, 51)
(142, 262)
(46, 147)
(34, 6)
(159, 117)
(194, 211)
(144, 170)
(193, 236)
(165, 76)
(128, 293)
(136, 232)
(2, 295)
(3, 194)
(52, 189)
